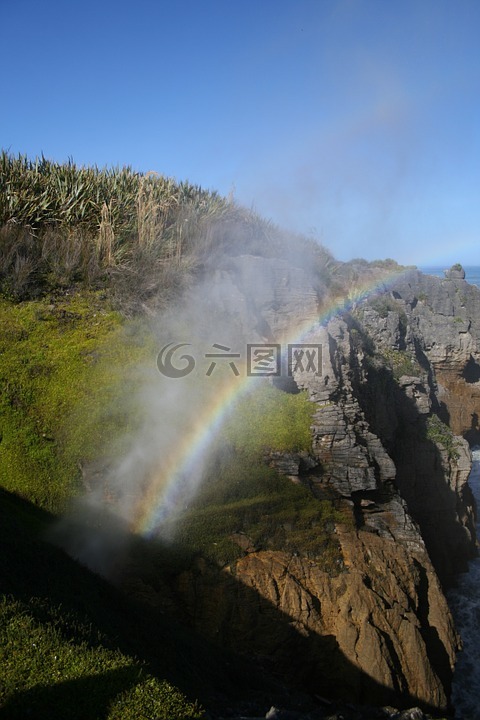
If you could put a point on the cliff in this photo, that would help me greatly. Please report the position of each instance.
(427, 330)
(322, 555)
(389, 444)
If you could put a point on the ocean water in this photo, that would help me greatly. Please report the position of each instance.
(472, 274)
(464, 603)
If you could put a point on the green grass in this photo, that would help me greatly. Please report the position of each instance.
(67, 639)
(62, 360)
(269, 419)
(50, 660)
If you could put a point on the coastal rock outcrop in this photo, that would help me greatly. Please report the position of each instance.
(388, 441)
(379, 632)
(444, 331)
(432, 353)
(456, 272)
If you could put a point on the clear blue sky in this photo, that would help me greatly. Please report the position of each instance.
(356, 121)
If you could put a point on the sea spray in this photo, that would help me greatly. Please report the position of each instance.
(180, 470)
(249, 300)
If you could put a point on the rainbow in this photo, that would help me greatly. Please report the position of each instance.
(179, 474)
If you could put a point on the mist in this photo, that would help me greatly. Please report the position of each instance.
(186, 393)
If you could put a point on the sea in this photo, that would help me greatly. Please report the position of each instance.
(464, 599)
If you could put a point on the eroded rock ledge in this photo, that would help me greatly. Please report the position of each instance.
(378, 633)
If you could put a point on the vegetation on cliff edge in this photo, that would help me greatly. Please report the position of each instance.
(82, 250)
(141, 236)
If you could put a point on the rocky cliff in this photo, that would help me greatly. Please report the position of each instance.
(396, 401)
(427, 331)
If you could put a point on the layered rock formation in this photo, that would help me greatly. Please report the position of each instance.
(444, 328)
(427, 330)
(379, 632)
(377, 628)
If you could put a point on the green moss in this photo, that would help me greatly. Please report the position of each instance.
(61, 362)
(267, 418)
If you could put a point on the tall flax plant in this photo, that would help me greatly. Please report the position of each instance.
(41, 194)
(64, 223)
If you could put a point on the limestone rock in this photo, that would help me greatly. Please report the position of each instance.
(377, 629)
(269, 295)
(456, 272)
(376, 633)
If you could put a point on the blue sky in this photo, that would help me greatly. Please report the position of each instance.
(354, 121)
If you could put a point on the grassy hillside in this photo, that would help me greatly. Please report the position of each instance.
(63, 359)
(63, 640)
(85, 256)
(71, 646)
(143, 237)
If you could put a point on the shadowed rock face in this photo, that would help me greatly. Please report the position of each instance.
(377, 629)
(385, 615)
(444, 325)
(441, 332)
(379, 632)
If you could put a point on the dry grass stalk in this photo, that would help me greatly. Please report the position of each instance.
(151, 213)
(106, 237)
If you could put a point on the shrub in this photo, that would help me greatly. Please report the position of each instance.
(401, 363)
(440, 434)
